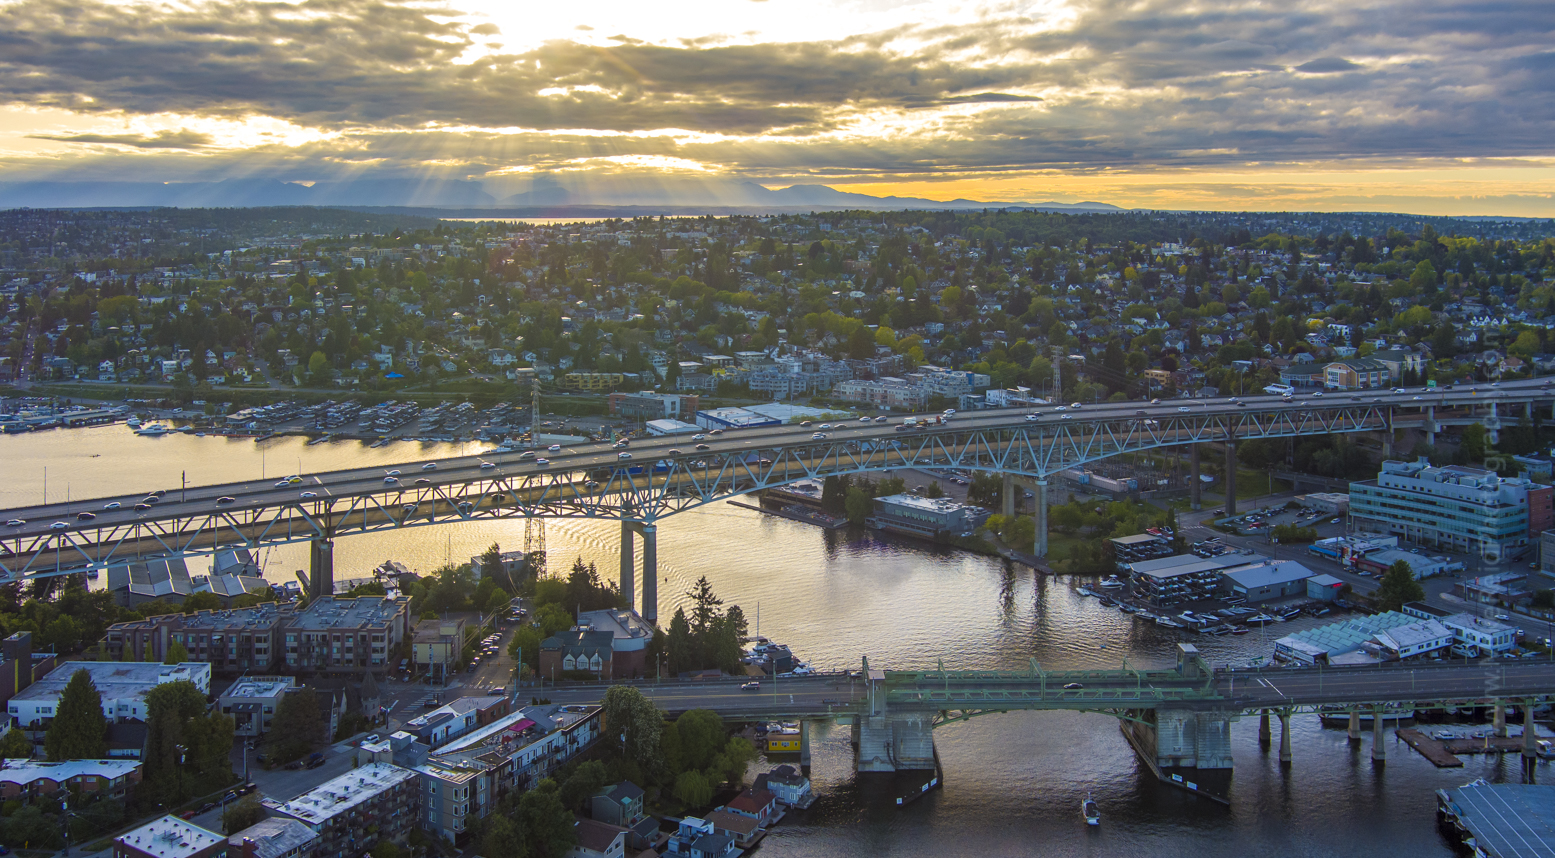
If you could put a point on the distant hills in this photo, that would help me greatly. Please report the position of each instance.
(638, 194)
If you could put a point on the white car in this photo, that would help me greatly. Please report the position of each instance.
(1033, 417)
(393, 473)
(863, 420)
(542, 462)
(389, 481)
(58, 525)
(114, 505)
(554, 448)
(818, 436)
(309, 495)
(699, 437)
(429, 466)
(283, 484)
(1184, 409)
(623, 455)
(486, 466)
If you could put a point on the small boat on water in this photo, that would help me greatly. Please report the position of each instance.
(133, 423)
(1259, 619)
(1240, 630)
(154, 430)
(1110, 582)
(1089, 810)
(1087, 591)
(1168, 622)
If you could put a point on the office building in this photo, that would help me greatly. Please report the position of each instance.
(252, 702)
(733, 418)
(1262, 582)
(352, 812)
(926, 517)
(123, 686)
(1457, 508)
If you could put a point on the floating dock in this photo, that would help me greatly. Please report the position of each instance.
(1431, 749)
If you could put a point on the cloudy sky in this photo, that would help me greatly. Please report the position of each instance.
(1405, 105)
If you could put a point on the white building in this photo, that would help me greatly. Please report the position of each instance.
(1488, 637)
(123, 686)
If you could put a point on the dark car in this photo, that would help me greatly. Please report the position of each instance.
(142, 507)
(85, 516)
(313, 764)
(226, 500)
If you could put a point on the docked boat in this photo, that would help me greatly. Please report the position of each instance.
(1087, 591)
(1126, 608)
(133, 423)
(1110, 582)
(1089, 810)
(1240, 630)
(154, 430)
(1259, 619)
(1168, 622)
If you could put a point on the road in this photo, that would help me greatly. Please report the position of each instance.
(420, 490)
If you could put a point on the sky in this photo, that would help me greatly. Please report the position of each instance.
(1421, 106)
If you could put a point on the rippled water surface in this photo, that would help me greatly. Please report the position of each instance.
(1013, 782)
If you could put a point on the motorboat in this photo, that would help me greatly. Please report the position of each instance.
(1259, 619)
(1110, 582)
(1168, 622)
(154, 430)
(1089, 811)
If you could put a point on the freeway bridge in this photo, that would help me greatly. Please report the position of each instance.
(1177, 720)
(658, 477)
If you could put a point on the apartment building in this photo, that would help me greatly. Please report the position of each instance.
(252, 702)
(1456, 507)
(352, 812)
(123, 688)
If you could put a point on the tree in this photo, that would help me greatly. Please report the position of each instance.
(242, 815)
(1541, 599)
(547, 823)
(692, 789)
(859, 504)
(491, 562)
(680, 643)
(702, 737)
(318, 364)
(635, 722)
(934, 490)
(79, 730)
(15, 745)
(297, 725)
(188, 747)
(386, 849)
(203, 601)
(582, 784)
(177, 653)
(1398, 586)
(503, 838)
(704, 611)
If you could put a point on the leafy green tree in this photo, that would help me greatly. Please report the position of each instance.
(503, 838)
(702, 737)
(737, 755)
(582, 784)
(242, 814)
(859, 504)
(386, 849)
(1398, 586)
(692, 789)
(547, 824)
(934, 490)
(15, 745)
(298, 725)
(704, 606)
(204, 601)
(79, 730)
(682, 647)
(1541, 599)
(635, 722)
(526, 646)
(177, 653)
(188, 746)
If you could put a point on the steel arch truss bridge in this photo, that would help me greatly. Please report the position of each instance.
(650, 488)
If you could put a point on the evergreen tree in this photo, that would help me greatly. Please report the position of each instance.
(15, 745)
(177, 653)
(1398, 586)
(679, 643)
(704, 610)
(79, 730)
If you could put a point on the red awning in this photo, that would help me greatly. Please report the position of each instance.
(522, 725)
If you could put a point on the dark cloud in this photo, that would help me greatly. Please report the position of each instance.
(1125, 83)
(160, 140)
(1328, 65)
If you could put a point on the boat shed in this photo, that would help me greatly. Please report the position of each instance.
(1272, 579)
(1503, 820)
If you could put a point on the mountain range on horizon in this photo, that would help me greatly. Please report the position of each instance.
(638, 191)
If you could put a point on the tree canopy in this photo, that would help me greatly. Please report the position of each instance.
(79, 730)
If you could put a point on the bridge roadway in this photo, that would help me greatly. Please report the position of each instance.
(670, 474)
(1406, 685)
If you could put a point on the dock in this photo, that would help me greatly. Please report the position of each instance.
(804, 516)
(1431, 749)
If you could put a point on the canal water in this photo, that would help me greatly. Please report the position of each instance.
(1013, 782)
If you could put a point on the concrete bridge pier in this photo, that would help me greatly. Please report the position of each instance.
(1008, 496)
(1498, 720)
(1430, 426)
(1189, 748)
(1040, 517)
(1355, 725)
(1492, 425)
(628, 565)
(1379, 751)
(1263, 729)
(1285, 737)
(1230, 476)
(890, 742)
(1194, 484)
(1530, 743)
(804, 747)
(321, 567)
(650, 533)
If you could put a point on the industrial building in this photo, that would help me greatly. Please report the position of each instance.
(1454, 507)
(733, 418)
(926, 517)
(1261, 582)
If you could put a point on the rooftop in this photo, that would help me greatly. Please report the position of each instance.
(940, 505)
(332, 612)
(1335, 638)
(336, 796)
(171, 837)
(1268, 573)
(260, 686)
(27, 771)
(1507, 820)
(117, 679)
(274, 836)
(622, 623)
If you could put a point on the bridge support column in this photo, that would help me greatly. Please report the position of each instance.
(1039, 515)
(1193, 477)
(1498, 720)
(628, 564)
(1009, 496)
(1184, 747)
(321, 568)
(1492, 426)
(1230, 477)
(1430, 425)
(804, 747)
(895, 743)
(650, 534)
(1355, 725)
(1263, 729)
(1379, 751)
(1285, 738)
(1530, 732)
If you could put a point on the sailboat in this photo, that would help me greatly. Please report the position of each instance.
(1088, 808)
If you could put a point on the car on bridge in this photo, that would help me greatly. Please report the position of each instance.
(429, 466)
(554, 448)
(542, 462)
(1073, 686)
(818, 436)
(751, 686)
(16, 522)
(58, 525)
(486, 466)
(85, 516)
(623, 455)
(224, 499)
(114, 505)
(309, 495)
(389, 481)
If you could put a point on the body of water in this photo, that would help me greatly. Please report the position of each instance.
(1013, 782)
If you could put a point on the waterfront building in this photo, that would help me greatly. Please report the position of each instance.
(926, 517)
(1180, 578)
(1454, 507)
(356, 810)
(1337, 643)
(1480, 635)
(630, 635)
(275, 837)
(24, 780)
(1414, 640)
(123, 686)
(143, 581)
(1270, 579)
(169, 837)
(252, 702)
